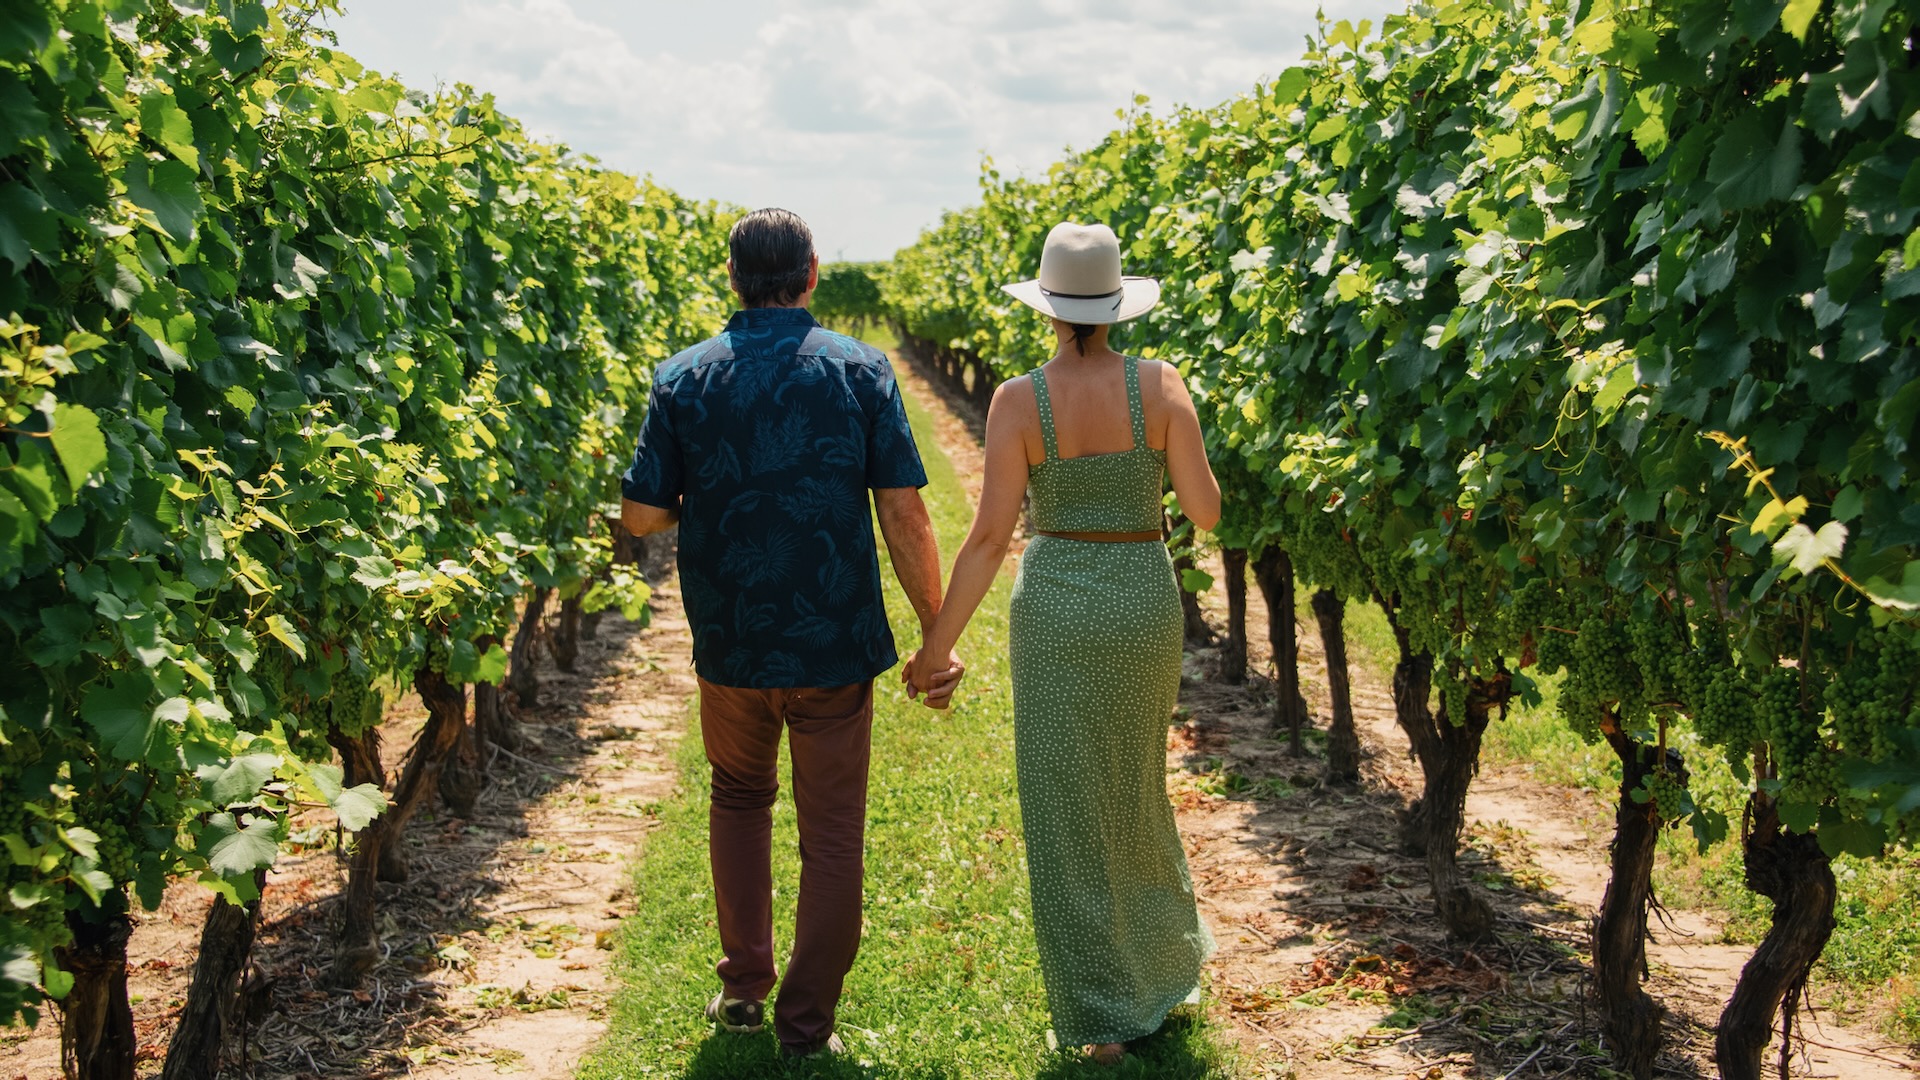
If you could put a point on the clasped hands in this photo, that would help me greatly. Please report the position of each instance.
(924, 674)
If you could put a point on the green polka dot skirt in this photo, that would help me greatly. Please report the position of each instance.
(1096, 642)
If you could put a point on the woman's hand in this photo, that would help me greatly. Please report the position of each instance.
(924, 675)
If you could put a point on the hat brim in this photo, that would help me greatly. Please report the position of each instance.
(1137, 296)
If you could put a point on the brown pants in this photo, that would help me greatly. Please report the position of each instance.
(830, 735)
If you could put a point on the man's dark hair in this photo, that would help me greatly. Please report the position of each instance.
(772, 250)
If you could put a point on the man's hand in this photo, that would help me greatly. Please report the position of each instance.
(922, 676)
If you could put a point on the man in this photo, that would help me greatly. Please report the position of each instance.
(761, 445)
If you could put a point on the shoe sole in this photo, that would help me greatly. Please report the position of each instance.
(713, 1016)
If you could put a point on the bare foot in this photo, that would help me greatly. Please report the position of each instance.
(1107, 1053)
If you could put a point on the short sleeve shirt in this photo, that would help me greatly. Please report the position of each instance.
(767, 439)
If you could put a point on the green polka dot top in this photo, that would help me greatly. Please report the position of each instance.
(1115, 492)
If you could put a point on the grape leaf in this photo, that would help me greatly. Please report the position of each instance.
(279, 626)
(27, 225)
(119, 711)
(166, 189)
(356, 806)
(162, 121)
(1806, 550)
(240, 780)
(57, 983)
(237, 849)
(1797, 16)
(25, 29)
(1800, 817)
(77, 439)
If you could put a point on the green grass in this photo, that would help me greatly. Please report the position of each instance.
(880, 336)
(947, 984)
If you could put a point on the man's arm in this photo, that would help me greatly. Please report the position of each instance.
(643, 519)
(910, 544)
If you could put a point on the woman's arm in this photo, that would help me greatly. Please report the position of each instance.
(979, 559)
(1193, 480)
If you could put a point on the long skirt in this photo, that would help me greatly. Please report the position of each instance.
(1096, 642)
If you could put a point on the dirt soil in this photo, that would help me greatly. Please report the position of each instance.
(1331, 963)
(496, 947)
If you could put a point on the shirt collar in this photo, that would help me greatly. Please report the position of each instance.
(768, 318)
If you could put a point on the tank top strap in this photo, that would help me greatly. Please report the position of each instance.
(1133, 404)
(1039, 380)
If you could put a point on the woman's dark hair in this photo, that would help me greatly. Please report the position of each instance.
(772, 252)
(1082, 333)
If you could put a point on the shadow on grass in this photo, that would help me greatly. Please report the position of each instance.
(757, 1057)
(1180, 1050)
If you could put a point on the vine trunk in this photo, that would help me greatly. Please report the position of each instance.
(1791, 870)
(1273, 572)
(211, 1016)
(565, 644)
(1448, 749)
(1629, 1016)
(522, 677)
(96, 1026)
(1233, 658)
(378, 854)
(1343, 739)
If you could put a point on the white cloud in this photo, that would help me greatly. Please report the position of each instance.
(868, 117)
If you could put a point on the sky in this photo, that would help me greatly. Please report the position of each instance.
(866, 117)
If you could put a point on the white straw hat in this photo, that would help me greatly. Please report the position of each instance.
(1080, 280)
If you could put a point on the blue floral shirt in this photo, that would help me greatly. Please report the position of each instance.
(767, 439)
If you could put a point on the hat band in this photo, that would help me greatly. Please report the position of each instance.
(1082, 296)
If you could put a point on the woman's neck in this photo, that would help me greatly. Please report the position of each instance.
(1095, 354)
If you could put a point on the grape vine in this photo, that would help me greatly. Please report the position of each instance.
(1583, 336)
(305, 378)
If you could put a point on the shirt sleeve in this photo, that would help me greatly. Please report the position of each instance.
(655, 477)
(893, 459)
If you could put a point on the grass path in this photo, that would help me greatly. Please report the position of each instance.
(947, 984)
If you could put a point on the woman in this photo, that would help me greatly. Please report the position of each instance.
(1096, 635)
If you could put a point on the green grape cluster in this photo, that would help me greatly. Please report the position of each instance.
(1792, 733)
(1658, 652)
(1811, 774)
(116, 847)
(1530, 610)
(13, 812)
(1600, 677)
(1724, 710)
(354, 706)
(1875, 693)
(1667, 792)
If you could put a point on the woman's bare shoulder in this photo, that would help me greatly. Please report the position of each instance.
(1017, 389)
(1163, 378)
(1014, 400)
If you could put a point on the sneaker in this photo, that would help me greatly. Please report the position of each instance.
(833, 1047)
(735, 1014)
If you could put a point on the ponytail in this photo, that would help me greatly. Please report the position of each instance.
(1081, 334)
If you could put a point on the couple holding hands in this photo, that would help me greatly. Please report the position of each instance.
(761, 445)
